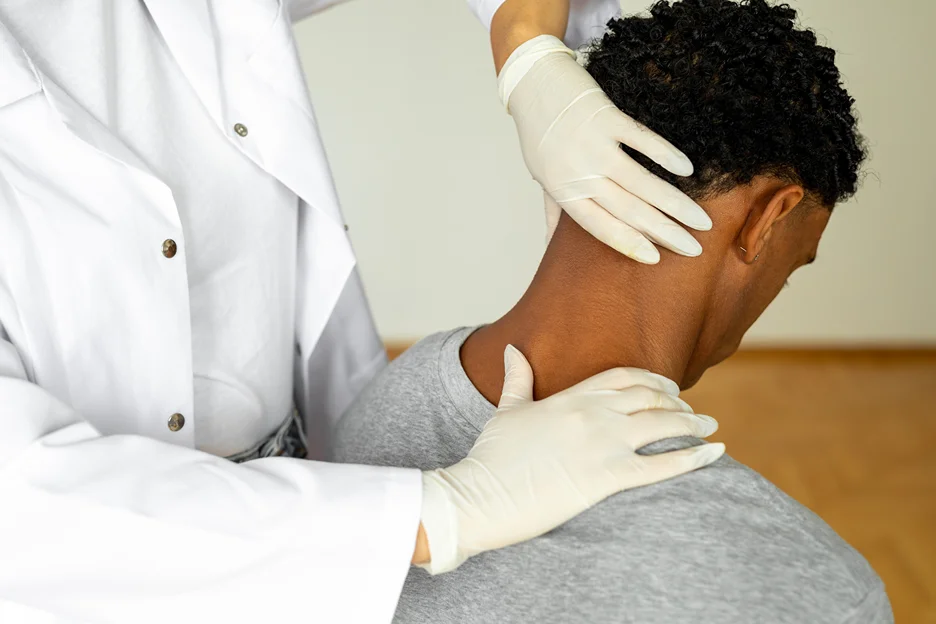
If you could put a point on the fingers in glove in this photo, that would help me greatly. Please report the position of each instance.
(611, 231)
(653, 426)
(645, 218)
(639, 137)
(518, 379)
(636, 470)
(630, 174)
(621, 378)
(639, 399)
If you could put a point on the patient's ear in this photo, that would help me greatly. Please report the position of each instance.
(770, 208)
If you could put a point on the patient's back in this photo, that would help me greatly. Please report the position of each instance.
(721, 544)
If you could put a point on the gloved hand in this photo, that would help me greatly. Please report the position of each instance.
(570, 134)
(538, 464)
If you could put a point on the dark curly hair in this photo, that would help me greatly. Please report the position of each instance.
(739, 89)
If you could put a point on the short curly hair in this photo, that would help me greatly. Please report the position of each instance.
(739, 89)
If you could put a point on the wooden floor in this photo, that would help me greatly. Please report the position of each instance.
(851, 435)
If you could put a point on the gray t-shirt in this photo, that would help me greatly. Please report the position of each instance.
(719, 545)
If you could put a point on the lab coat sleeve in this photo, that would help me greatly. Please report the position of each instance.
(130, 529)
(587, 18)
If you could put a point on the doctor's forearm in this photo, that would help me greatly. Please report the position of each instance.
(517, 21)
(421, 551)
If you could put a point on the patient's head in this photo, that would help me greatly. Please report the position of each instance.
(758, 106)
(739, 89)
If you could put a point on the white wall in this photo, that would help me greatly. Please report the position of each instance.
(447, 222)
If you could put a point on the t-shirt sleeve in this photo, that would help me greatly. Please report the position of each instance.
(874, 608)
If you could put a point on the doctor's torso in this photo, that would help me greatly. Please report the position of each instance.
(150, 246)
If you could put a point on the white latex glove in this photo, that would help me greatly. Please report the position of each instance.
(570, 134)
(538, 464)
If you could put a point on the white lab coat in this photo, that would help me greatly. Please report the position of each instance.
(105, 514)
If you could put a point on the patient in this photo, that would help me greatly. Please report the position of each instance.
(758, 106)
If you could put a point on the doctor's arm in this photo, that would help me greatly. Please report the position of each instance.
(518, 21)
(570, 132)
(124, 528)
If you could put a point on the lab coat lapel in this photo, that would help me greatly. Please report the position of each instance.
(84, 126)
(292, 148)
(20, 78)
(268, 92)
(188, 30)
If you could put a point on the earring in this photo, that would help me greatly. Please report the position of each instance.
(745, 251)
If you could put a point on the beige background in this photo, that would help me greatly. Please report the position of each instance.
(448, 225)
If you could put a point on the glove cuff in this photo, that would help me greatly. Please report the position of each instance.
(440, 522)
(522, 59)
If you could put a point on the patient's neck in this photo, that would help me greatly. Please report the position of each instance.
(590, 309)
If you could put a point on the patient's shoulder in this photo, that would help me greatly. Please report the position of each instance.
(408, 377)
(405, 416)
(729, 531)
(720, 544)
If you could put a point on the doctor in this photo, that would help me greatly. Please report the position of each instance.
(176, 284)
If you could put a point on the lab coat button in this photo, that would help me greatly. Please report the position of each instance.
(169, 248)
(176, 422)
(240, 129)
